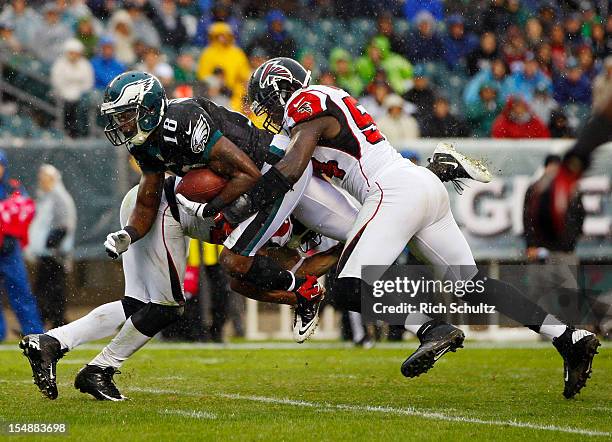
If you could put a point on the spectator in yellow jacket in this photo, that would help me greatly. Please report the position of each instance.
(224, 54)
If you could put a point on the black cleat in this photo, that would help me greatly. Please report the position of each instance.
(98, 382)
(578, 348)
(43, 352)
(451, 165)
(436, 338)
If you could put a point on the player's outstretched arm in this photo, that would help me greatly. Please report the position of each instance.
(228, 160)
(261, 295)
(147, 203)
(142, 217)
(304, 139)
(596, 132)
(279, 179)
(318, 265)
(576, 161)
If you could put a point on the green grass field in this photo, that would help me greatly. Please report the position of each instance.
(319, 392)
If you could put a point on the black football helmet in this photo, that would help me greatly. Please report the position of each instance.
(270, 87)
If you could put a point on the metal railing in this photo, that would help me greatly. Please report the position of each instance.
(54, 106)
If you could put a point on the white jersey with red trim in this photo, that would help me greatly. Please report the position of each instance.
(358, 154)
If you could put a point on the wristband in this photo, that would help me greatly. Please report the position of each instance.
(213, 207)
(132, 232)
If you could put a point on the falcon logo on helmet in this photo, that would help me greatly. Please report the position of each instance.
(271, 86)
(274, 72)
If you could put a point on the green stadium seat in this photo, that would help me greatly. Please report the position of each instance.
(577, 113)
(402, 26)
(52, 134)
(169, 53)
(327, 26)
(311, 39)
(23, 127)
(436, 72)
(363, 26)
(294, 27)
(250, 29)
(349, 42)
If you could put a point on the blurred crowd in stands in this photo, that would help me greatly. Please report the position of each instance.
(423, 68)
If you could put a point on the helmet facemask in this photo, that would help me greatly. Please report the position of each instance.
(133, 110)
(271, 86)
(273, 107)
(129, 124)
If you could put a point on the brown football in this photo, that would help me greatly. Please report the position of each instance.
(201, 185)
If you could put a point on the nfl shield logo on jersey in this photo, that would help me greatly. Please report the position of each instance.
(200, 134)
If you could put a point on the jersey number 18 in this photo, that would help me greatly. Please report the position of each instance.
(170, 125)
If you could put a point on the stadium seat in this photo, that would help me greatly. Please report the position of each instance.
(352, 44)
(52, 134)
(577, 114)
(328, 26)
(402, 26)
(311, 39)
(21, 127)
(250, 29)
(363, 26)
(169, 53)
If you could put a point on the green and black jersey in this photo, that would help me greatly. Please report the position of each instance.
(188, 131)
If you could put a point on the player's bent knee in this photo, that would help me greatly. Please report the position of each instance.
(153, 318)
(131, 305)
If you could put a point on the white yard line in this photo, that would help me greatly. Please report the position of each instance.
(434, 415)
(431, 415)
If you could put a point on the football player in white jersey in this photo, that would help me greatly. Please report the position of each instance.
(154, 270)
(401, 203)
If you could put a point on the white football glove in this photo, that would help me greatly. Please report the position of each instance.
(116, 243)
(191, 207)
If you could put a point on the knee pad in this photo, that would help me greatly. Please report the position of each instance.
(153, 318)
(131, 305)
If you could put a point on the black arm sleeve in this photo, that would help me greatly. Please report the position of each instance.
(595, 133)
(271, 186)
(528, 219)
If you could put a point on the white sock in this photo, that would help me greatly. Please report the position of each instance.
(127, 342)
(414, 321)
(552, 327)
(356, 326)
(99, 323)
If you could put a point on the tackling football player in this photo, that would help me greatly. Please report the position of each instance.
(401, 202)
(154, 270)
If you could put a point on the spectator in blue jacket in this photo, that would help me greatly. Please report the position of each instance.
(219, 12)
(12, 268)
(572, 86)
(412, 8)
(275, 40)
(105, 65)
(496, 74)
(457, 43)
(523, 82)
(424, 45)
